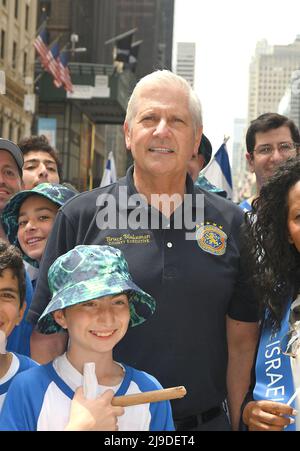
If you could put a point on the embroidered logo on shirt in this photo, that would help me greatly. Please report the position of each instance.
(128, 238)
(211, 239)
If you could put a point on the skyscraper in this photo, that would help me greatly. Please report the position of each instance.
(154, 22)
(185, 61)
(270, 74)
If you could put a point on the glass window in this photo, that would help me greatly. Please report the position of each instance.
(2, 44)
(14, 55)
(26, 17)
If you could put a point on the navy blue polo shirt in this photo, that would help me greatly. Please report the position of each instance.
(196, 283)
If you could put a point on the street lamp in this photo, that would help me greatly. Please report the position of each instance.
(74, 39)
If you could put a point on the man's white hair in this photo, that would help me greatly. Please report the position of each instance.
(165, 78)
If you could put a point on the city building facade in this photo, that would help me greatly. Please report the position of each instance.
(17, 56)
(270, 74)
(89, 128)
(185, 61)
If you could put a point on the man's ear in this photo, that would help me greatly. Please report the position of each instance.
(59, 316)
(127, 135)
(198, 137)
(250, 160)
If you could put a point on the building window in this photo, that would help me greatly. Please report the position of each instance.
(2, 44)
(19, 134)
(10, 131)
(27, 17)
(14, 55)
(25, 63)
(16, 8)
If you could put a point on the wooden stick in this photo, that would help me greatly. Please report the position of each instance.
(149, 396)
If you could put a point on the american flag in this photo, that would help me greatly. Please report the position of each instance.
(65, 76)
(41, 47)
(53, 64)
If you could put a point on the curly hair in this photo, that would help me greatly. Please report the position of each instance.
(11, 258)
(41, 143)
(274, 261)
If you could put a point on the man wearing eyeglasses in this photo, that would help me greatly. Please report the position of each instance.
(271, 139)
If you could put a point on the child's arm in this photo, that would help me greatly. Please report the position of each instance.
(93, 414)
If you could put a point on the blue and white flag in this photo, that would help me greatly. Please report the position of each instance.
(110, 174)
(218, 171)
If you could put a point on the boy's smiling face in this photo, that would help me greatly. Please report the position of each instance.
(96, 325)
(36, 218)
(10, 312)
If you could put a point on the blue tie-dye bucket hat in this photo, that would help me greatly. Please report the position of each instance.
(56, 193)
(90, 272)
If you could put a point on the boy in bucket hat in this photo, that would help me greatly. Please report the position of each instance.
(28, 218)
(95, 299)
(27, 221)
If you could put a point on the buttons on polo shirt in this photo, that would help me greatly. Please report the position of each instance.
(169, 245)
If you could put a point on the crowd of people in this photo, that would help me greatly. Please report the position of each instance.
(215, 298)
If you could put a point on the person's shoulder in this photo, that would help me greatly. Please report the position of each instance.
(25, 362)
(88, 199)
(145, 381)
(31, 377)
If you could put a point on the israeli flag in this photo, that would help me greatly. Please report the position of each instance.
(218, 171)
(110, 174)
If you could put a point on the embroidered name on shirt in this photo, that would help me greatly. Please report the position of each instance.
(127, 238)
(211, 238)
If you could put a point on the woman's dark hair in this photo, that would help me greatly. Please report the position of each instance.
(274, 261)
(11, 258)
(41, 143)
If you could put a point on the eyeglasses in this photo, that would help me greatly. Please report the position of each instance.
(283, 149)
(290, 343)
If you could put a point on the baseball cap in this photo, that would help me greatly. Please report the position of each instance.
(205, 149)
(89, 272)
(15, 152)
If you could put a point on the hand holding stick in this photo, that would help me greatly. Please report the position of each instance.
(149, 396)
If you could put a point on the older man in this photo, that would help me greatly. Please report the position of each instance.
(203, 333)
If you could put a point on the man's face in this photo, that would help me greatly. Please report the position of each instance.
(39, 167)
(161, 136)
(264, 165)
(10, 180)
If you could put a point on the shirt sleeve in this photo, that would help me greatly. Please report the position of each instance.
(161, 416)
(243, 305)
(16, 413)
(61, 239)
